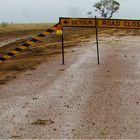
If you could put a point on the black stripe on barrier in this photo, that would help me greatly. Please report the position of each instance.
(41, 35)
(34, 40)
(50, 30)
(56, 25)
(26, 45)
(2, 59)
(10, 54)
(18, 49)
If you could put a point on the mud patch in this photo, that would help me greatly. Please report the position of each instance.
(16, 137)
(42, 122)
(7, 79)
(2, 82)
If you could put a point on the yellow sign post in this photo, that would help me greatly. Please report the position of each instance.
(101, 23)
(77, 22)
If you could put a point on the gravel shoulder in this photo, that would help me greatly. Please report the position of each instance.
(80, 99)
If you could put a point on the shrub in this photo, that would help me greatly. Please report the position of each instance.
(4, 24)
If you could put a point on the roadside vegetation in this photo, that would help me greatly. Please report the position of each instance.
(13, 30)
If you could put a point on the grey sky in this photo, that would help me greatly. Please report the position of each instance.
(50, 10)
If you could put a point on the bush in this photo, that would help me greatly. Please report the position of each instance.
(4, 24)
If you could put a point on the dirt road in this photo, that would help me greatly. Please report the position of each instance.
(80, 99)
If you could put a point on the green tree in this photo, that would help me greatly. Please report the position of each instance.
(4, 24)
(106, 8)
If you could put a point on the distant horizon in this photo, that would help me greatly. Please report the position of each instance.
(58, 22)
(29, 22)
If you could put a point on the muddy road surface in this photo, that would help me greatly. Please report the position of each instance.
(80, 99)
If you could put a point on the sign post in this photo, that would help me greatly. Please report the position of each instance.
(97, 42)
(63, 52)
(79, 22)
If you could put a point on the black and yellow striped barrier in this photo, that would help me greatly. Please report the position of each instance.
(32, 41)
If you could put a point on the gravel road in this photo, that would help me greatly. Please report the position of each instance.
(79, 100)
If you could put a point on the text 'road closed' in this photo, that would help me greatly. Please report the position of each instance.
(119, 24)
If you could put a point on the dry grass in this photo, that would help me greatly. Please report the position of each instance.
(20, 27)
(13, 30)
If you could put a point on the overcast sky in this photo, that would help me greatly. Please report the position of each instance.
(28, 11)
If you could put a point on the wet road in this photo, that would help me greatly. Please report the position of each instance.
(79, 100)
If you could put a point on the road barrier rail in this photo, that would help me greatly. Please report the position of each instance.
(30, 42)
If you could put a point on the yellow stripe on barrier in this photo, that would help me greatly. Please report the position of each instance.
(30, 42)
(6, 56)
(23, 47)
(13, 51)
(38, 38)
(54, 28)
(46, 33)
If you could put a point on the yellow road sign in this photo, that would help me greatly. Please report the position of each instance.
(101, 23)
(116, 23)
(77, 22)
